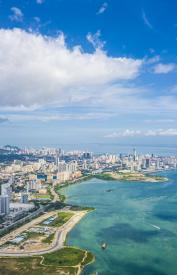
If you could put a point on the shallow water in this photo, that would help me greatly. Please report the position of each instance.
(138, 221)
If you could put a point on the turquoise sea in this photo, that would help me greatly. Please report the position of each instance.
(138, 221)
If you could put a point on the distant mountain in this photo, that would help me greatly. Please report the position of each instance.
(11, 148)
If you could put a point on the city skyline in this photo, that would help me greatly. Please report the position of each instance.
(88, 137)
(74, 72)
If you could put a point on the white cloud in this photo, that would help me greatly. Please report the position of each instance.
(174, 89)
(37, 19)
(142, 133)
(95, 40)
(46, 117)
(164, 68)
(164, 120)
(146, 20)
(39, 70)
(17, 14)
(103, 8)
(153, 59)
(125, 133)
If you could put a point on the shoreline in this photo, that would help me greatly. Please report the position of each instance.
(131, 176)
(60, 237)
(147, 176)
(57, 243)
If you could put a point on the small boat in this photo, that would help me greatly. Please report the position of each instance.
(103, 246)
(109, 190)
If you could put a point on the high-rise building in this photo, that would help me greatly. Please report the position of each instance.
(71, 167)
(61, 166)
(4, 205)
(33, 185)
(134, 154)
(147, 163)
(87, 155)
(6, 190)
(24, 198)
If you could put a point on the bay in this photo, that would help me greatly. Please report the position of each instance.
(137, 220)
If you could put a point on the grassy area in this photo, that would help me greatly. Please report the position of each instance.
(104, 176)
(49, 239)
(42, 196)
(50, 194)
(160, 178)
(130, 176)
(31, 235)
(62, 218)
(60, 196)
(59, 262)
(30, 266)
(88, 259)
(81, 208)
(68, 256)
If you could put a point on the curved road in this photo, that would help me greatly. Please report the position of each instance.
(57, 243)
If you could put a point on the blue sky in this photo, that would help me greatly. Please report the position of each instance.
(74, 71)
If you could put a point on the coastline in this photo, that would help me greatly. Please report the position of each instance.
(148, 177)
(59, 241)
(131, 176)
(58, 244)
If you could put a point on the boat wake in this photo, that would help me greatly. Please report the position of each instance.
(155, 226)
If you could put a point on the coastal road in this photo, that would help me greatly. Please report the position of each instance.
(55, 195)
(57, 243)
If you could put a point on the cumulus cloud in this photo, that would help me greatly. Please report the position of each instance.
(103, 8)
(141, 133)
(39, 70)
(16, 15)
(164, 68)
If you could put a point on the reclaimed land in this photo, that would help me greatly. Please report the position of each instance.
(64, 260)
(62, 218)
(130, 176)
(68, 260)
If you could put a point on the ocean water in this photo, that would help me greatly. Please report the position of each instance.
(138, 221)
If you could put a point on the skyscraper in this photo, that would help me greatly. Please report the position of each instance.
(6, 190)
(24, 198)
(134, 154)
(4, 205)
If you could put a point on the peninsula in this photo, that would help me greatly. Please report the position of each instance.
(130, 176)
